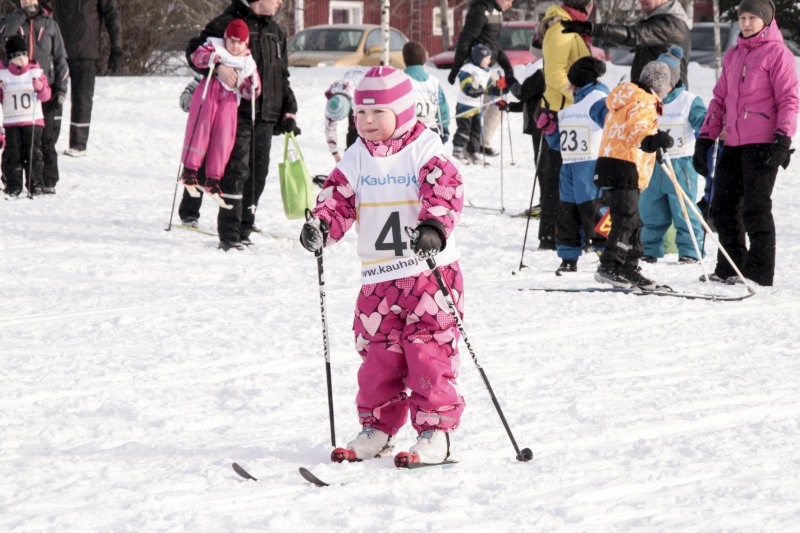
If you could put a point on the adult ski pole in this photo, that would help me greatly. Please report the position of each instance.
(510, 142)
(523, 455)
(253, 147)
(191, 139)
(324, 310)
(710, 192)
(502, 205)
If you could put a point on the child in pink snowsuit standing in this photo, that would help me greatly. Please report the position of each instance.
(211, 129)
(396, 175)
(23, 88)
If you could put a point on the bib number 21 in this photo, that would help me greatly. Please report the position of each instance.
(397, 245)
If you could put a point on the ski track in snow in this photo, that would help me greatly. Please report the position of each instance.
(139, 364)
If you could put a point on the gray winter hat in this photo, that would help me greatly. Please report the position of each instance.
(673, 59)
(763, 9)
(656, 76)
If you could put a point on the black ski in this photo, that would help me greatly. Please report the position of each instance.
(644, 292)
(242, 472)
(192, 228)
(311, 478)
(414, 466)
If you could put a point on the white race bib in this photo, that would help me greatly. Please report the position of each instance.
(19, 98)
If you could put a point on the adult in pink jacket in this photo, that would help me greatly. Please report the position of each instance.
(754, 109)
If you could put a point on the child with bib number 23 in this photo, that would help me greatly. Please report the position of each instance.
(396, 175)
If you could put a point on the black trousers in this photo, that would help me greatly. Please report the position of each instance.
(238, 182)
(572, 218)
(549, 175)
(468, 134)
(82, 73)
(50, 133)
(743, 204)
(17, 157)
(624, 244)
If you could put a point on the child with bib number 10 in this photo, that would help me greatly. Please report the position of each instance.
(397, 175)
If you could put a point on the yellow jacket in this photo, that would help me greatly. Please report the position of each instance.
(560, 51)
(632, 115)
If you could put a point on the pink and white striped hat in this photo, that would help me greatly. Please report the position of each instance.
(389, 88)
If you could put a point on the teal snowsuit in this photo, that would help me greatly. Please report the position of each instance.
(658, 204)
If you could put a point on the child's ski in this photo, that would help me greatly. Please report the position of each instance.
(192, 228)
(644, 292)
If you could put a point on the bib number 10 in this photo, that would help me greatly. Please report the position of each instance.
(24, 100)
(397, 245)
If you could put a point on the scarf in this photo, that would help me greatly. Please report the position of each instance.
(579, 16)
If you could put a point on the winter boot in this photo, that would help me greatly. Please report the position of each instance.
(49, 190)
(461, 155)
(477, 159)
(687, 260)
(214, 190)
(189, 179)
(371, 443)
(13, 192)
(649, 259)
(634, 275)
(432, 447)
(74, 152)
(609, 273)
(190, 222)
(567, 266)
(732, 280)
(227, 245)
(490, 152)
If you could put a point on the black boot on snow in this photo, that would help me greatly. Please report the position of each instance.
(49, 190)
(228, 245)
(649, 259)
(609, 273)
(687, 260)
(634, 275)
(567, 266)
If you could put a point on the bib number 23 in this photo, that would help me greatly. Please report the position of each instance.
(397, 245)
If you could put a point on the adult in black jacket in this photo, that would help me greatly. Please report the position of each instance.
(275, 110)
(81, 25)
(482, 25)
(48, 51)
(665, 23)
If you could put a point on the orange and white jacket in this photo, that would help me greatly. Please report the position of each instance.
(632, 115)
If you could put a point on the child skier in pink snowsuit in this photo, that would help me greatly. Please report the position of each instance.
(397, 175)
(23, 88)
(211, 129)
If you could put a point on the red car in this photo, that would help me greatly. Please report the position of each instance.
(515, 38)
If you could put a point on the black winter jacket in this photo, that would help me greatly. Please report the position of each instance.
(268, 48)
(482, 25)
(81, 24)
(48, 49)
(665, 26)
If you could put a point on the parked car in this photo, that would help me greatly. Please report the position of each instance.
(515, 38)
(703, 43)
(344, 45)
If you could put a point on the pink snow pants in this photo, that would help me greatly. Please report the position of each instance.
(408, 339)
(216, 129)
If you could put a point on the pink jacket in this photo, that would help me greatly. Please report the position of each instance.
(339, 210)
(201, 58)
(756, 96)
(43, 94)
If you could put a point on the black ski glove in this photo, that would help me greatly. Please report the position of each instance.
(700, 157)
(445, 136)
(652, 143)
(779, 154)
(115, 60)
(314, 234)
(289, 125)
(473, 92)
(453, 75)
(575, 26)
(428, 239)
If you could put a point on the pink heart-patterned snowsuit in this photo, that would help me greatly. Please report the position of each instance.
(403, 328)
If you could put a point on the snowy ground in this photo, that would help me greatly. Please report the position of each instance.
(138, 364)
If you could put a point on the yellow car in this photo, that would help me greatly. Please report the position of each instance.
(344, 45)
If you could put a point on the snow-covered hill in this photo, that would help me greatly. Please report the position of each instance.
(138, 364)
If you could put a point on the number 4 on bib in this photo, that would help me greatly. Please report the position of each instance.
(396, 244)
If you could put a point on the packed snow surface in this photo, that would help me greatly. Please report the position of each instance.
(138, 364)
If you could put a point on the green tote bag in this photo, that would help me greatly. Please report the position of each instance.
(297, 190)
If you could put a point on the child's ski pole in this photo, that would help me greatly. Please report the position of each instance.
(523, 455)
(191, 138)
(710, 192)
(33, 143)
(530, 207)
(324, 310)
